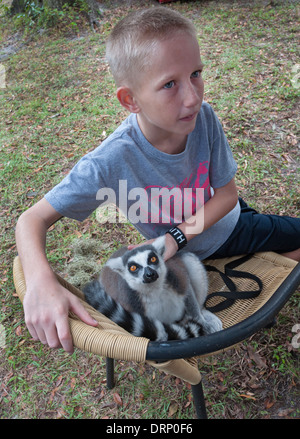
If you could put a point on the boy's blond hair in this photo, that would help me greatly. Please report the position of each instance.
(134, 38)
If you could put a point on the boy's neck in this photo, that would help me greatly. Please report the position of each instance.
(168, 143)
(172, 146)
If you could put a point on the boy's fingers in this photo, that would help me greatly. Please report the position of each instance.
(56, 333)
(132, 246)
(41, 335)
(37, 332)
(32, 331)
(47, 335)
(82, 313)
(64, 336)
(63, 329)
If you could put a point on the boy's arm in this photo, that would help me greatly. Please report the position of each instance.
(46, 302)
(223, 201)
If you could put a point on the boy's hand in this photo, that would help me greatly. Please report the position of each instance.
(171, 246)
(46, 303)
(46, 315)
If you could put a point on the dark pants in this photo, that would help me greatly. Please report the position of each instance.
(257, 232)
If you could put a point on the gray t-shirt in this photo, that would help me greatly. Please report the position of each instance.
(153, 189)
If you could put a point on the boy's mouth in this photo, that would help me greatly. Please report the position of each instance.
(189, 117)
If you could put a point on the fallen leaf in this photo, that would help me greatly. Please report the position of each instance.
(31, 194)
(173, 408)
(285, 412)
(37, 169)
(292, 139)
(220, 376)
(118, 399)
(61, 413)
(59, 381)
(254, 356)
(269, 402)
(108, 405)
(19, 330)
(248, 396)
(53, 392)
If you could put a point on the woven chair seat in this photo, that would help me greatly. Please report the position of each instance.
(112, 341)
(270, 267)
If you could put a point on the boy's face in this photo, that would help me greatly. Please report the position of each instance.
(170, 93)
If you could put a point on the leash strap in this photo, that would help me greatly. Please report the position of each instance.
(233, 294)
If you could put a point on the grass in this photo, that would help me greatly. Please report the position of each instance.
(58, 104)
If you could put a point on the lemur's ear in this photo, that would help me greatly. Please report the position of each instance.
(159, 245)
(116, 264)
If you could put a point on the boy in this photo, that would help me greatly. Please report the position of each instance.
(172, 141)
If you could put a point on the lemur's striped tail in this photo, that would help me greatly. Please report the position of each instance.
(138, 324)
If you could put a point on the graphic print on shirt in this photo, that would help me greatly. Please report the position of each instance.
(173, 205)
(156, 204)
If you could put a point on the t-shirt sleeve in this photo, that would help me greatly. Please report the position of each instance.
(76, 195)
(223, 167)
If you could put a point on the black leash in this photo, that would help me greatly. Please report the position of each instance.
(233, 294)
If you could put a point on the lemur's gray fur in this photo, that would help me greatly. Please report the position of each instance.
(151, 298)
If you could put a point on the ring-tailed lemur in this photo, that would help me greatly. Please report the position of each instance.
(151, 298)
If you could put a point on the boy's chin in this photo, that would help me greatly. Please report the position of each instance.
(188, 128)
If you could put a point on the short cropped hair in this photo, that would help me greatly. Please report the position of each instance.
(134, 38)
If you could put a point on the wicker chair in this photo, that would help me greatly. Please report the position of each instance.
(280, 277)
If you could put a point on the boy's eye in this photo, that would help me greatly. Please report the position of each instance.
(153, 259)
(196, 74)
(169, 84)
(133, 268)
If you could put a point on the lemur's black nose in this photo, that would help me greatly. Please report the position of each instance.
(150, 275)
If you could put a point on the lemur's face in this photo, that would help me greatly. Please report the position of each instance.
(142, 265)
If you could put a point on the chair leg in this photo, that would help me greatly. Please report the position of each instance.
(199, 401)
(197, 389)
(110, 381)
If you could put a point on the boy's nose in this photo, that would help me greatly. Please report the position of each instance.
(191, 96)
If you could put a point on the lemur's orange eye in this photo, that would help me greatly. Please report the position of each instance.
(153, 259)
(132, 268)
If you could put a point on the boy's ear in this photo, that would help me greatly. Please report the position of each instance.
(127, 100)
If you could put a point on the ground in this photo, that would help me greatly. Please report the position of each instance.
(58, 103)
